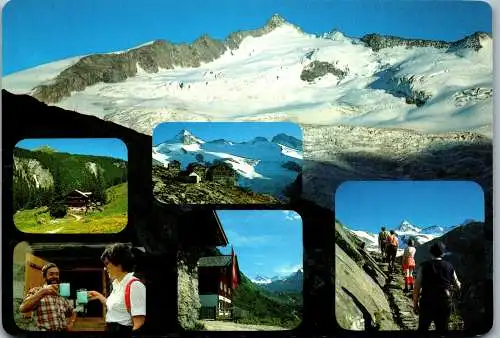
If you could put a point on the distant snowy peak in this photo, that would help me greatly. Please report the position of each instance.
(261, 280)
(185, 137)
(406, 226)
(336, 35)
(283, 140)
(277, 21)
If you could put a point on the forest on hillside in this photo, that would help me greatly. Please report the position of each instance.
(68, 172)
(255, 305)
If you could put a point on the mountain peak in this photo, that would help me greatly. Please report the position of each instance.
(275, 21)
(261, 280)
(335, 34)
(184, 132)
(407, 226)
(45, 149)
(186, 137)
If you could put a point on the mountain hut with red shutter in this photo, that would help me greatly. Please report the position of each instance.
(218, 277)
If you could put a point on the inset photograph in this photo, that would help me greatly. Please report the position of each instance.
(226, 163)
(66, 286)
(252, 277)
(412, 255)
(70, 186)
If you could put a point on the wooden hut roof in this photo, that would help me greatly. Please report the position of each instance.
(81, 193)
(203, 227)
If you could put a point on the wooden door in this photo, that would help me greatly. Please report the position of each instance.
(33, 275)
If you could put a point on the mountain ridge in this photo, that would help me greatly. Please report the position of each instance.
(283, 75)
(406, 231)
(159, 54)
(289, 283)
(37, 172)
(261, 165)
(280, 138)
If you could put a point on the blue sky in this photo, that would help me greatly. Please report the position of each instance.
(364, 205)
(83, 146)
(230, 131)
(267, 242)
(37, 32)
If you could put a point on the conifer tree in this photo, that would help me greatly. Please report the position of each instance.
(57, 207)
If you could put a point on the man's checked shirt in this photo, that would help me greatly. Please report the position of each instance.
(52, 311)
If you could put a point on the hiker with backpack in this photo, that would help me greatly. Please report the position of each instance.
(408, 264)
(126, 304)
(382, 242)
(392, 250)
(432, 298)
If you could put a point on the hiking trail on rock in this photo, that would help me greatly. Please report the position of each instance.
(401, 302)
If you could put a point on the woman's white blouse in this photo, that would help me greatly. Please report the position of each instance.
(115, 303)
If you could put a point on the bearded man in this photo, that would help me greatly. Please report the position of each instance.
(53, 312)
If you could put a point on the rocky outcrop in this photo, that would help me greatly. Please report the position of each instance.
(161, 54)
(234, 39)
(470, 42)
(33, 172)
(359, 282)
(112, 68)
(317, 69)
(377, 42)
(93, 168)
(405, 87)
(334, 154)
(189, 299)
(170, 191)
(472, 96)
(359, 301)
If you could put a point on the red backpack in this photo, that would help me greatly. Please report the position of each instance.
(127, 292)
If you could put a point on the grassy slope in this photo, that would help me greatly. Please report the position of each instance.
(112, 219)
(267, 308)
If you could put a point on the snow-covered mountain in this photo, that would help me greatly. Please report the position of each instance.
(292, 282)
(405, 231)
(261, 280)
(262, 165)
(276, 73)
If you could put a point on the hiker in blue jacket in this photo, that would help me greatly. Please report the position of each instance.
(126, 304)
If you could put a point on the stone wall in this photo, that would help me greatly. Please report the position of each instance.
(188, 297)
